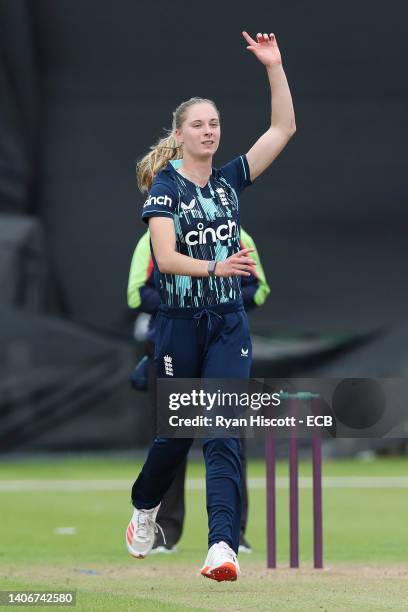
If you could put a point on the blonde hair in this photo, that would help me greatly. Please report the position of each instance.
(166, 148)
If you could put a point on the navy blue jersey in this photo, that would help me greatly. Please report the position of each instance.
(206, 221)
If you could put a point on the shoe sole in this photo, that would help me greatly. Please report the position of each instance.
(225, 572)
(136, 556)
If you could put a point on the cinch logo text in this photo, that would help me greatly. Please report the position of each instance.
(161, 200)
(202, 236)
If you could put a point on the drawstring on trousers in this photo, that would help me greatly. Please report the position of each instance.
(206, 312)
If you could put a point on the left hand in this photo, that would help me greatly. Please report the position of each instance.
(265, 48)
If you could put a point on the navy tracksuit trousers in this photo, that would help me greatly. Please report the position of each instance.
(211, 342)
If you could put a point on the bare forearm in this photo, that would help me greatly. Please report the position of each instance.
(238, 264)
(176, 263)
(282, 114)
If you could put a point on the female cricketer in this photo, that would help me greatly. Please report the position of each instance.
(202, 328)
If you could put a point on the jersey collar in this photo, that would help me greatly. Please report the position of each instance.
(173, 164)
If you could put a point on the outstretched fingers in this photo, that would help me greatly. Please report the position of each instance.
(243, 267)
(244, 251)
(248, 38)
(262, 38)
(238, 272)
(235, 259)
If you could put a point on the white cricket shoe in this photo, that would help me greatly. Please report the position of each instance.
(141, 531)
(221, 563)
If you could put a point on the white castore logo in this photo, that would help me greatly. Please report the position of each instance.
(168, 365)
(161, 200)
(188, 206)
(210, 234)
(244, 352)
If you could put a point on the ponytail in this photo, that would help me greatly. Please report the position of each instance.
(160, 154)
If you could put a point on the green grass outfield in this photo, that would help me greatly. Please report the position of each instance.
(365, 540)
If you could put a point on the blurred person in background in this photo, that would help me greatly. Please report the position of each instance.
(144, 297)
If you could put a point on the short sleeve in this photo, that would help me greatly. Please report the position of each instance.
(236, 172)
(160, 202)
